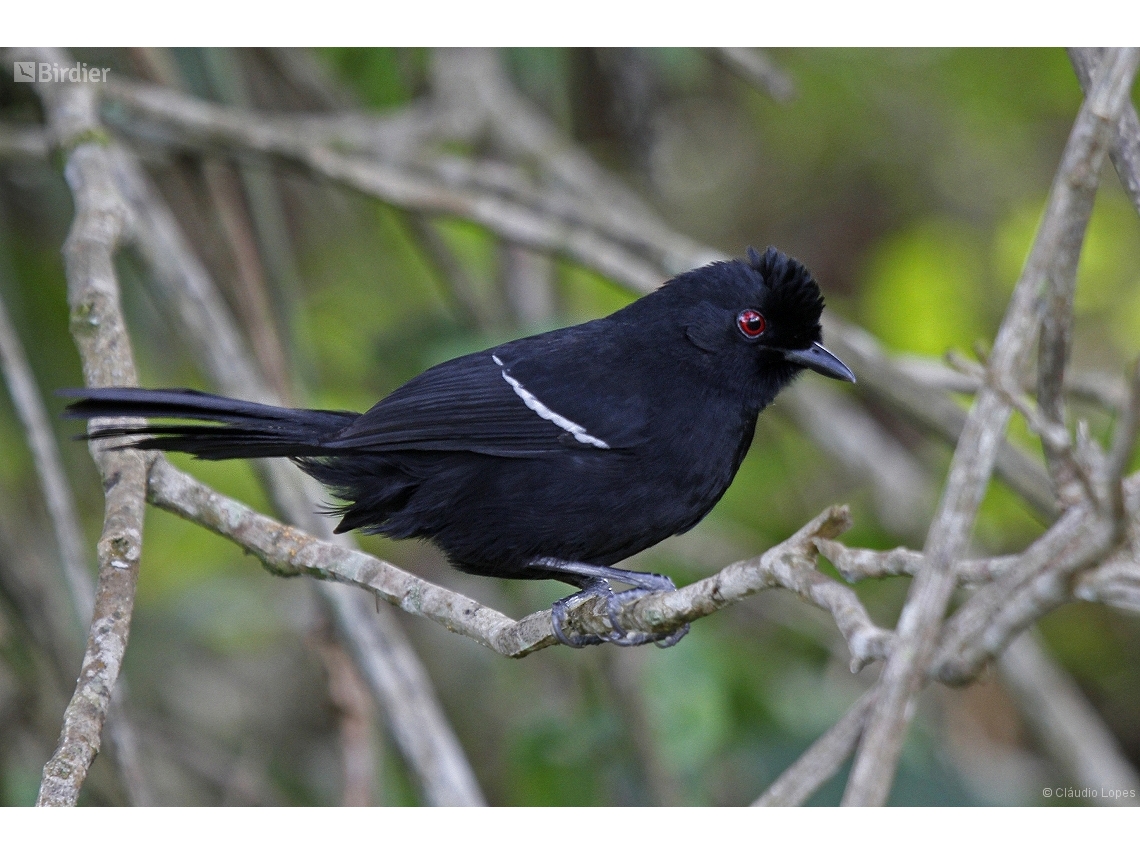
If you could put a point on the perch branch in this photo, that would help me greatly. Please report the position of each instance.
(288, 551)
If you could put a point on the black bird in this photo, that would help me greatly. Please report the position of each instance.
(552, 456)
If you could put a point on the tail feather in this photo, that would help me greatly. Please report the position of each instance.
(242, 428)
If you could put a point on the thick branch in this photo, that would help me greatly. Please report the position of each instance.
(99, 332)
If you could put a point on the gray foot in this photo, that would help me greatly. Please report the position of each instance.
(595, 581)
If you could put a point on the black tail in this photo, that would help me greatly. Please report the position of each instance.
(241, 429)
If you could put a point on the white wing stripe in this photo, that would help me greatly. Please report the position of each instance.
(576, 430)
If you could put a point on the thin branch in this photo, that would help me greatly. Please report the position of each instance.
(457, 284)
(1071, 464)
(1125, 151)
(1116, 583)
(56, 491)
(248, 288)
(403, 688)
(855, 565)
(819, 764)
(1017, 590)
(267, 217)
(99, 332)
(1054, 252)
(1037, 581)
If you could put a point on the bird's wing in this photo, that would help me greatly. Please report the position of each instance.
(510, 401)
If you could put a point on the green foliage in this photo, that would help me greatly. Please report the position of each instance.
(923, 287)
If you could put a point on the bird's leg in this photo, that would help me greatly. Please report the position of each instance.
(595, 580)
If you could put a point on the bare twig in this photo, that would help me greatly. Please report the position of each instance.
(1116, 583)
(818, 765)
(1054, 252)
(1100, 388)
(404, 691)
(1016, 590)
(932, 409)
(1125, 151)
(97, 326)
(266, 215)
(528, 284)
(457, 284)
(858, 564)
(395, 184)
(1035, 583)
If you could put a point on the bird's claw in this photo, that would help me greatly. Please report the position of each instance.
(648, 584)
(628, 638)
(558, 610)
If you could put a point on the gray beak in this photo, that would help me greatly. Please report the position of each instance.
(820, 360)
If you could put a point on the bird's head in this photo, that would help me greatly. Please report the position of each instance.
(758, 316)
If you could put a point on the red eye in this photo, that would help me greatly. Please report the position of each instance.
(751, 323)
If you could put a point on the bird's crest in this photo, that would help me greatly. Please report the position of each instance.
(794, 294)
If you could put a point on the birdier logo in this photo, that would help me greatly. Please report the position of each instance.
(52, 72)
